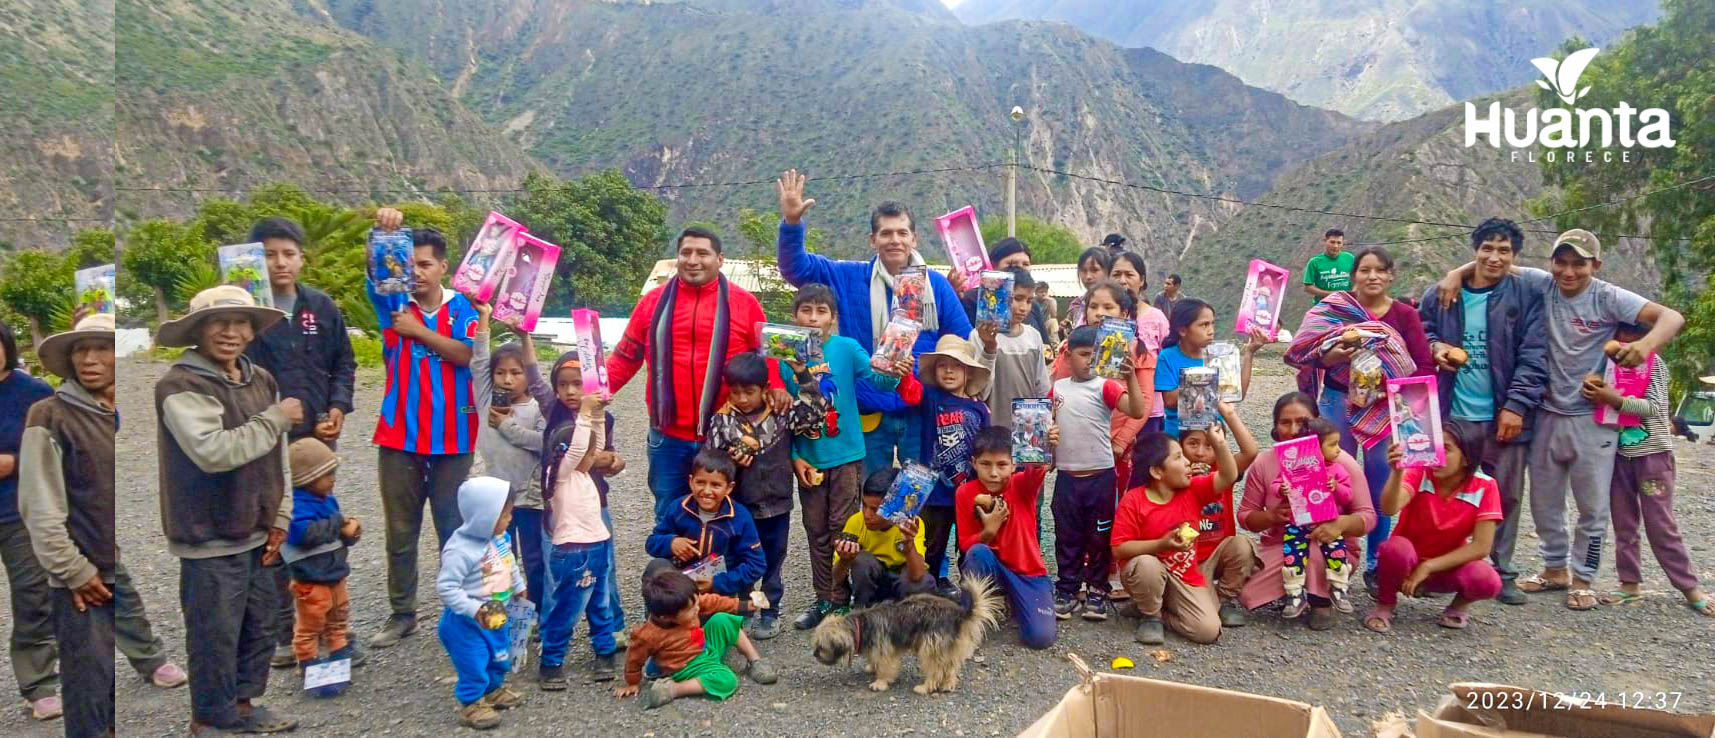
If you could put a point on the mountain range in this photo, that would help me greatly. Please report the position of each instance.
(1384, 60)
(706, 101)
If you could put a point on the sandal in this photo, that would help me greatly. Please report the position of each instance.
(1537, 583)
(1581, 599)
(1455, 619)
(260, 720)
(1702, 607)
(1620, 597)
(1379, 620)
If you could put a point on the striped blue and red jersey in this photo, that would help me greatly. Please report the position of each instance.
(428, 407)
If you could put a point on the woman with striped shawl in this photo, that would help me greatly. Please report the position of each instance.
(1390, 329)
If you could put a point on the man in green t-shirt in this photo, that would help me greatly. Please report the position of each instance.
(1331, 270)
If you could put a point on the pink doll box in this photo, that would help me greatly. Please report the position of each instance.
(964, 243)
(489, 256)
(518, 300)
(591, 356)
(1265, 290)
(1306, 476)
(1414, 412)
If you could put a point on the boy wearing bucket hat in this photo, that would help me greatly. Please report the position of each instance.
(223, 502)
(66, 477)
(952, 376)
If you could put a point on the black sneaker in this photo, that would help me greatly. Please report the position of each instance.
(813, 615)
(1150, 632)
(551, 678)
(1065, 606)
(946, 588)
(397, 627)
(1511, 594)
(1095, 607)
(1370, 583)
(767, 626)
(1233, 614)
(602, 669)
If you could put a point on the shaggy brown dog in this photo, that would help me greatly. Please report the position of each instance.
(942, 633)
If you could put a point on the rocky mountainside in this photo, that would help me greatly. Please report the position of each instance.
(56, 86)
(1417, 169)
(223, 95)
(731, 91)
(1386, 60)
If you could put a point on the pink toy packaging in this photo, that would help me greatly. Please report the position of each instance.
(490, 254)
(1414, 408)
(1630, 382)
(964, 243)
(518, 300)
(1306, 478)
(1265, 290)
(587, 324)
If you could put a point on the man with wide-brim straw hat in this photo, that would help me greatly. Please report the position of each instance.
(223, 502)
(954, 377)
(66, 498)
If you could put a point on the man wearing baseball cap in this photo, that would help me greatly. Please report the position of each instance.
(224, 503)
(1572, 453)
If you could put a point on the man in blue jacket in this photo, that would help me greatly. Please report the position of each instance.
(865, 293)
(1498, 325)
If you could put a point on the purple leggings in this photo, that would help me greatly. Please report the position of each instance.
(1643, 492)
(1474, 580)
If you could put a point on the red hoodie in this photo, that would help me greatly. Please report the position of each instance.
(693, 332)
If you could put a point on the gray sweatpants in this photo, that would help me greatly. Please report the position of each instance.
(1571, 453)
(1506, 462)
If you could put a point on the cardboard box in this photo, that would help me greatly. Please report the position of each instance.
(1499, 711)
(1115, 706)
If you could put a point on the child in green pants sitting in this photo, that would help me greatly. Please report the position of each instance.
(690, 651)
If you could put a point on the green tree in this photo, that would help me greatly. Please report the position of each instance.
(760, 232)
(92, 247)
(610, 234)
(37, 284)
(1049, 243)
(159, 254)
(1665, 66)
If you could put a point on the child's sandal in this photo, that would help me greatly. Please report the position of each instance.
(1620, 597)
(1581, 599)
(1702, 607)
(1454, 619)
(1379, 620)
(1536, 583)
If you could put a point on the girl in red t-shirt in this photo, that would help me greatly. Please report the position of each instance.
(1447, 521)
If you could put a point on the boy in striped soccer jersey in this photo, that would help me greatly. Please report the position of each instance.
(428, 423)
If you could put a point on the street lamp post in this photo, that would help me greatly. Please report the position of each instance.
(1012, 172)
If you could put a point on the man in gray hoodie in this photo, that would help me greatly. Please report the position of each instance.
(223, 502)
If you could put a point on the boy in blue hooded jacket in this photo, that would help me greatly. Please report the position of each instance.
(478, 574)
(707, 523)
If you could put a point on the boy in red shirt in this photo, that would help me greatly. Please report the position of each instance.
(1226, 558)
(1155, 537)
(1000, 542)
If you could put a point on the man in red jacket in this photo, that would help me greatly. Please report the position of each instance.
(685, 330)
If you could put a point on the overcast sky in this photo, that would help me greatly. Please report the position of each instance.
(951, 3)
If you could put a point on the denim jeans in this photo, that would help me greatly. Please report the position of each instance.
(1374, 460)
(578, 584)
(669, 469)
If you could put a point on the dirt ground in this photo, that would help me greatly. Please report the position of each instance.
(1654, 645)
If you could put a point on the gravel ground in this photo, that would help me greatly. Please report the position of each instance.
(1655, 645)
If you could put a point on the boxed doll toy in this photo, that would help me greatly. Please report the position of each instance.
(895, 344)
(791, 343)
(518, 298)
(908, 289)
(1306, 477)
(1199, 398)
(1031, 417)
(1629, 382)
(910, 490)
(1414, 408)
(586, 323)
(489, 256)
(95, 288)
(246, 265)
(1225, 359)
(1265, 290)
(994, 299)
(964, 241)
(1114, 340)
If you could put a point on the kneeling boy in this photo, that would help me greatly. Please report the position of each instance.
(1000, 542)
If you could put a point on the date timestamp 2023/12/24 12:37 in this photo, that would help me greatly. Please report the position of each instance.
(1577, 700)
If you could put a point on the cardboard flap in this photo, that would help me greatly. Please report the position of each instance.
(1126, 707)
(1488, 710)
